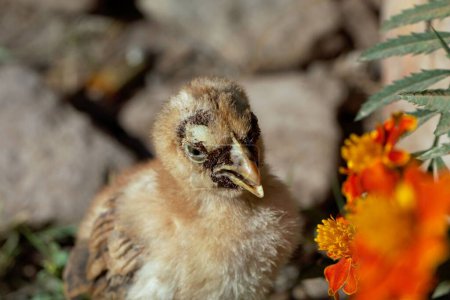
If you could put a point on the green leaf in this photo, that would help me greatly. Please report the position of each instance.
(336, 189)
(441, 40)
(415, 43)
(418, 153)
(442, 289)
(5, 55)
(436, 100)
(444, 125)
(438, 151)
(389, 94)
(8, 251)
(438, 165)
(429, 11)
(58, 232)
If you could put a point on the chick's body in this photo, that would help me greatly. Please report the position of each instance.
(190, 225)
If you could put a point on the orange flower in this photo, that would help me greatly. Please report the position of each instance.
(394, 234)
(342, 275)
(372, 158)
(400, 238)
(335, 236)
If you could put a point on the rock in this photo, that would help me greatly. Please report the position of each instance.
(40, 37)
(106, 56)
(314, 288)
(255, 34)
(60, 6)
(279, 296)
(375, 3)
(361, 22)
(297, 116)
(71, 49)
(96, 52)
(30, 35)
(139, 113)
(52, 161)
(286, 279)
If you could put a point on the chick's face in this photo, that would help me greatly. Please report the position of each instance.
(216, 142)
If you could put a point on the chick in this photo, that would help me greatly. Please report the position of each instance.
(196, 223)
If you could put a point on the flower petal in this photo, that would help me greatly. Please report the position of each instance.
(397, 125)
(398, 157)
(351, 285)
(408, 123)
(352, 188)
(337, 275)
(379, 178)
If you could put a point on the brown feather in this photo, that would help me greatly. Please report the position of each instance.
(167, 230)
(103, 265)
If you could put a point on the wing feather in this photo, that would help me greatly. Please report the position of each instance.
(103, 266)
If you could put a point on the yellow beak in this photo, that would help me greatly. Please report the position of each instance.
(243, 171)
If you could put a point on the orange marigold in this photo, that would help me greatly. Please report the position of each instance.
(371, 158)
(401, 238)
(335, 236)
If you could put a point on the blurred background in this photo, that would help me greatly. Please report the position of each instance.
(81, 82)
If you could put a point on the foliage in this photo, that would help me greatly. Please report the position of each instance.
(430, 11)
(415, 88)
(415, 43)
(52, 257)
(389, 94)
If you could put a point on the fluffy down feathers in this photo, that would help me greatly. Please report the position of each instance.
(168, 229)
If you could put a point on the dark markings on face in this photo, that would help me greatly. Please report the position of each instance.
(200, 147)
(220, 156)
(200, 118)
(252, 137)
(254, 132)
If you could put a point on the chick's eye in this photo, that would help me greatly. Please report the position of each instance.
(195, 154)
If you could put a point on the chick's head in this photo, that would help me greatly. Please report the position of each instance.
(209, 140)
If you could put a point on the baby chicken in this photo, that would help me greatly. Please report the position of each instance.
(196, 223)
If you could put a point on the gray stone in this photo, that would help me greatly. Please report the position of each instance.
(139, 113)
(297, 116)
(254, 34)
(361, 22)
(39, 37)
(52, 160)
(58, 5)
(72, 50)
(30, 35)
(314, 288)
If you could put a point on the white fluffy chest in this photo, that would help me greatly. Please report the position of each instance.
(149, 284)
(205, 264)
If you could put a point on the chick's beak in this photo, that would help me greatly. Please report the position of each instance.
(243, 171)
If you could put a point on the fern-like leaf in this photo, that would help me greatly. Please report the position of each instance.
(435, 100)
(429, 11)
(415, 43)
(438, 164)
(442, 41)
(389, 94)
(443, 126)
(438, 151)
